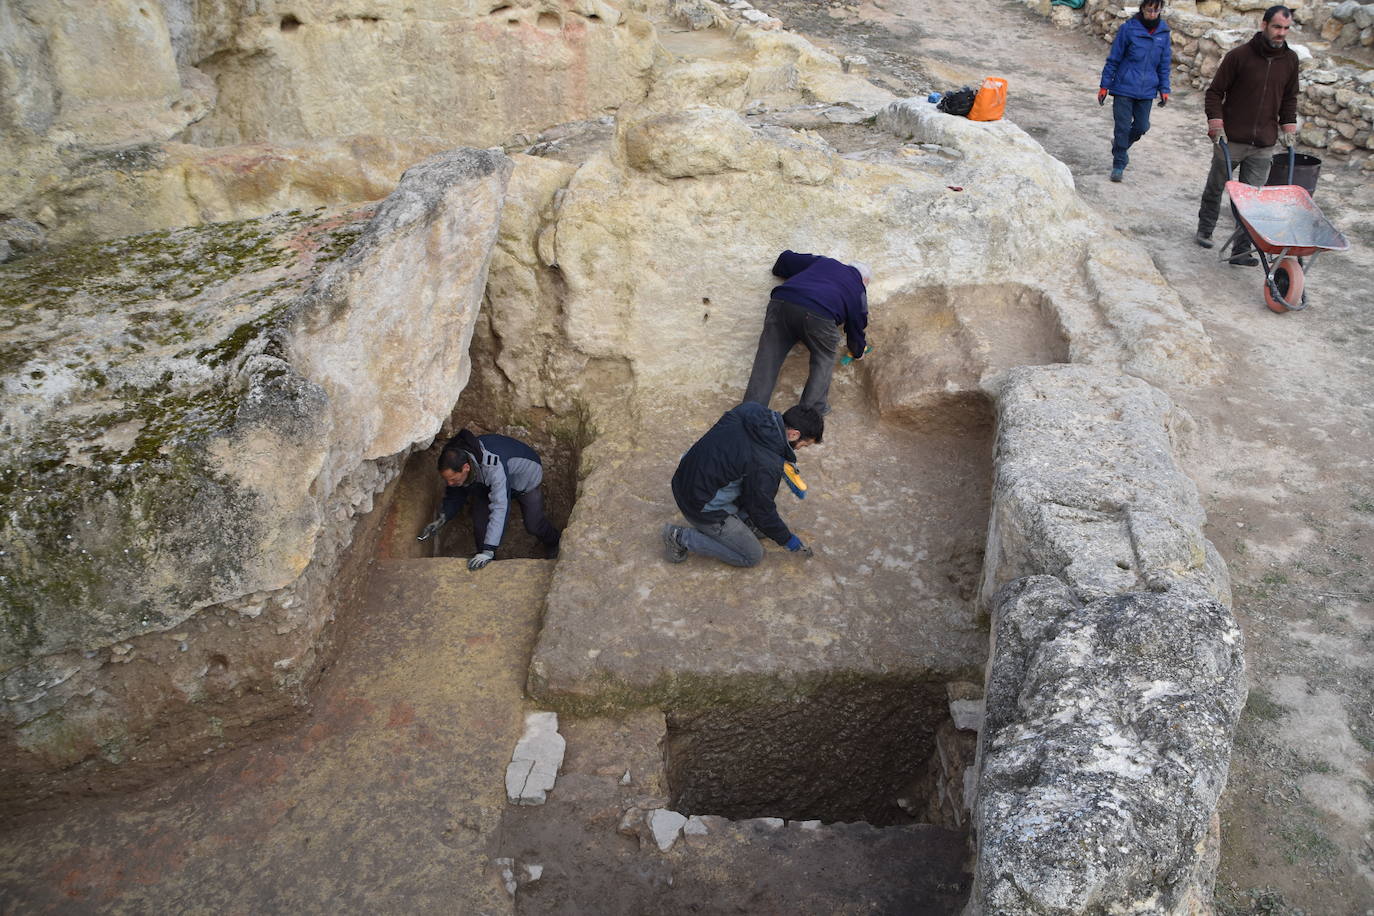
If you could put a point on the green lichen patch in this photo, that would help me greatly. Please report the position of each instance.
(166, 265)
(120, 371)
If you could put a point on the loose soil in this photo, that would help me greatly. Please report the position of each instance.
(1280, 447)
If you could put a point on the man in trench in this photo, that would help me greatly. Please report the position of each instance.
(819, 296)
(727, 483)
(492, 470)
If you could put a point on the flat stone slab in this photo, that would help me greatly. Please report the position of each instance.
(386, 798)
(533, 768)
(897, 520)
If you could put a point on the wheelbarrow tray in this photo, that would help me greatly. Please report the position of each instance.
(1283, 220)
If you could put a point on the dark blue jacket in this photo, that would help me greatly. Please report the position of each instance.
(746, 448)
(1138, 64)
(827, 287)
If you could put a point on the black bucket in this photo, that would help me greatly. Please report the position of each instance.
(1305, 171)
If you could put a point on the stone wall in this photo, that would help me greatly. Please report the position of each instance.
(1116, 675)
(1336, 95)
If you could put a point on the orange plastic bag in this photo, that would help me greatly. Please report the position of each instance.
(991, 100)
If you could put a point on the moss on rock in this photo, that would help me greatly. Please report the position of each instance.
(122, 366)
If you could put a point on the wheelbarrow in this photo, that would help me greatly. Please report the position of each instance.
(1285, 227)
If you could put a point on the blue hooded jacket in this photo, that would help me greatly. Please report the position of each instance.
(1138, 64)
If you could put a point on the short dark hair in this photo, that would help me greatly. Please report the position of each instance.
(453, 459)
(805, 420)
(1277, 9)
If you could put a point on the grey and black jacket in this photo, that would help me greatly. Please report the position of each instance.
(504, 468)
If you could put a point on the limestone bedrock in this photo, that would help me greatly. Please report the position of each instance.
(195, 420)
(1104, 751)
(662, 244)
(1117, 670)
(83, 82)
(1087, 489)
(662, 241)
(534, 764)
(389, 792)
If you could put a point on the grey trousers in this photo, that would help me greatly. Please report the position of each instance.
(729, 540)
(531, 510)
(783, 326)
(1254, 164)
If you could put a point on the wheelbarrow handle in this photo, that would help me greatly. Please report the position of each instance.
(1220, 139)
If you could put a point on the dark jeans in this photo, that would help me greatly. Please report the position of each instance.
(531, 509)
(1254, 164)
(729, 540)
(783, 326)
(1132, 117)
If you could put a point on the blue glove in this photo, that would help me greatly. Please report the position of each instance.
(480, 560)
(795, 545)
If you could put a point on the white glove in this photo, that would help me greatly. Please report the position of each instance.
(1289, 138)
(480, 560)
(431, 529)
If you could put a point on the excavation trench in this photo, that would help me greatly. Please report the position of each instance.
(860, 751)
(558, 439)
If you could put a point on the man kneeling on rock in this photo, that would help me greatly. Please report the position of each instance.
(727, 482)
(492, 470)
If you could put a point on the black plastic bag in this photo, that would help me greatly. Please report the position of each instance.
(959, 102)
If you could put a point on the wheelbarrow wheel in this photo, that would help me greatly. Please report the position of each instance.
(1284, 293)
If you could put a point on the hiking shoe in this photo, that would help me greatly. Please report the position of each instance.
(1203, 238)
(673, 551)
(1117, 173)
(1243, 259)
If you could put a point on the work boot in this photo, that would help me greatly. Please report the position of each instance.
(673, 551)
(1117, 173)
(1242, 259)
(1203, 238)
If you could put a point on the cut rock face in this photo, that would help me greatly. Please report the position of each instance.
(193, 421)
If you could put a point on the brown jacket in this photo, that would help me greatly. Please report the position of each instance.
(1255, 89)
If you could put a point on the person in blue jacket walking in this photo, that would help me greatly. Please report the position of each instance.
(1137, 70)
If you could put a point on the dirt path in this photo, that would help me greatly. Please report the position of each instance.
(1280, 448)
